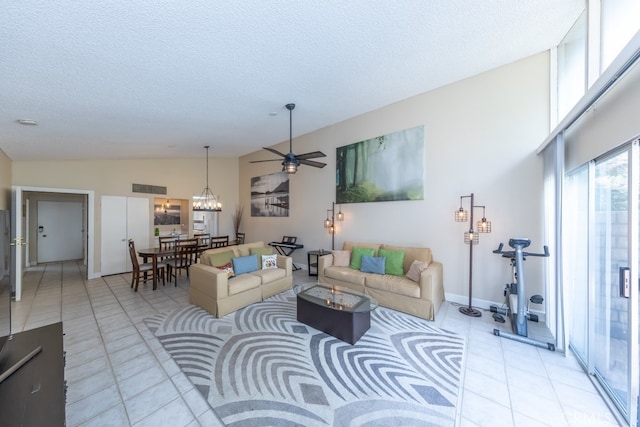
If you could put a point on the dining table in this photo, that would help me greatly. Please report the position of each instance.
(155, 254)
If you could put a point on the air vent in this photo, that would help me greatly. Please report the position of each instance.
(148, 189)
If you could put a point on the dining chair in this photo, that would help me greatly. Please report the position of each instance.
(185, 254)
(219, 241)
(204, 239)
(239, 238)
(144, 270)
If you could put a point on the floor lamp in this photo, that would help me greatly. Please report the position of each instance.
(330, 222)
(472, 237)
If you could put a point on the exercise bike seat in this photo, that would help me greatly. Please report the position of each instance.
(519, 241)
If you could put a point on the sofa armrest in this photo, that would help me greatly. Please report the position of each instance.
(324, 261)
(286, 263)
(209, 280)
(431, 285)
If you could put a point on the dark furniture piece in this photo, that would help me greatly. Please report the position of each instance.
(145, 269)
(287, 246)
(219, 241)
(155, 254)
(341, 314)
(35, 394)
(186, 253)
(312, 261)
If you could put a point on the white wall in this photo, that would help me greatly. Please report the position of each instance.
(184, 178)
(480, 136)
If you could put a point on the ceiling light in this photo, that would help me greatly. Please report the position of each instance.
(207, 201)
(27, 122)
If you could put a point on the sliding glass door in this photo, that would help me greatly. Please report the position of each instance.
(611, 268)
(602, 238)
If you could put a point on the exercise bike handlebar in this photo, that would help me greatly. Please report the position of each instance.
(513, 253)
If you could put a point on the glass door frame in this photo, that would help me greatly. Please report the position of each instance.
(630, 409)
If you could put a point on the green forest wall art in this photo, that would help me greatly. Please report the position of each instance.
(385, 168)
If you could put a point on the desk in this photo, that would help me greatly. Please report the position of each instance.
(154, 254)
(287, 249)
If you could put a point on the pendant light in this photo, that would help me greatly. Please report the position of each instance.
(207, 202)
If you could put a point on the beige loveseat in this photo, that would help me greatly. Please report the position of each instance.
(422, 298)
(211, 289)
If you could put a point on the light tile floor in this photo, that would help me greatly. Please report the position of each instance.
(118, 374)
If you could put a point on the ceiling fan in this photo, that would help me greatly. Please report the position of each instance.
(290, 161)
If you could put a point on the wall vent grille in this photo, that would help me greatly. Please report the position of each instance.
(149, 189)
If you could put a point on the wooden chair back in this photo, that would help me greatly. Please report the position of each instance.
(219, 241)
(240, 238)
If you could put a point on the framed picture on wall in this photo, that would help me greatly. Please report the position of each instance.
(167, 214)
(270, 195)
(381, 169)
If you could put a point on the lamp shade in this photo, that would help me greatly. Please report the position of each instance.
(461, 215)
(484, 226)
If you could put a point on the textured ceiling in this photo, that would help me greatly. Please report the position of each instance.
(160, 78)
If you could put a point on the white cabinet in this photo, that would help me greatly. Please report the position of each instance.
(123, 218)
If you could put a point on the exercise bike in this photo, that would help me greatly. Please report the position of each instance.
(517, 309)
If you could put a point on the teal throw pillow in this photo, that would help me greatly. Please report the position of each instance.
(394, 263)
(372, 264)
(245, 264)
(357, 254)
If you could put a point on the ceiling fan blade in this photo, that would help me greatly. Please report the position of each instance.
(274, 151)
(270, 160)
(311, 155)
(312, 163)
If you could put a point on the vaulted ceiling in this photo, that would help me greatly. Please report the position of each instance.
(161, 78)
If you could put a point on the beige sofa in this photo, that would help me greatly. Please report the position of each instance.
(422, 298)
(212, 290)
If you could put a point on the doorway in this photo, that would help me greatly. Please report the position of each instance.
(23, 230)
(60, 231)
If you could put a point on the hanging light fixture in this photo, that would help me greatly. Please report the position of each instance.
(290, 162)
(207, 202)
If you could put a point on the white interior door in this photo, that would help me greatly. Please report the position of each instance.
(114, 235)
(138, 224)
(59, 231)
(17, 241)
(123, 218)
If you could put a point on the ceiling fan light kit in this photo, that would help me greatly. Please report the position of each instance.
(291, 161)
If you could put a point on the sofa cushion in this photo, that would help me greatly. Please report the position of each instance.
(394, 261)
(371, 264)
(269, 261)
(261, 251)
(348, 246)
(245, 249)
(415, 269)
(411, 254)
(345, 274)
(270, 275)
(356, 256)
(243, 283)
(393, 284)
(341, 258)
(220, 258)
(245, 264)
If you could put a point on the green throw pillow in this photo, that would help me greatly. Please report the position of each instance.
(221, 258)
(394, 261)
(356, 256)
(261, 251)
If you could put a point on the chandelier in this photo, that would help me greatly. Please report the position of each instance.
(207, 201)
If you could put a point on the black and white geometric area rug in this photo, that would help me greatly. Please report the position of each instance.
(259, 366)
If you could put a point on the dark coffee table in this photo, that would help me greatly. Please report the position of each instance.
(341, 313)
